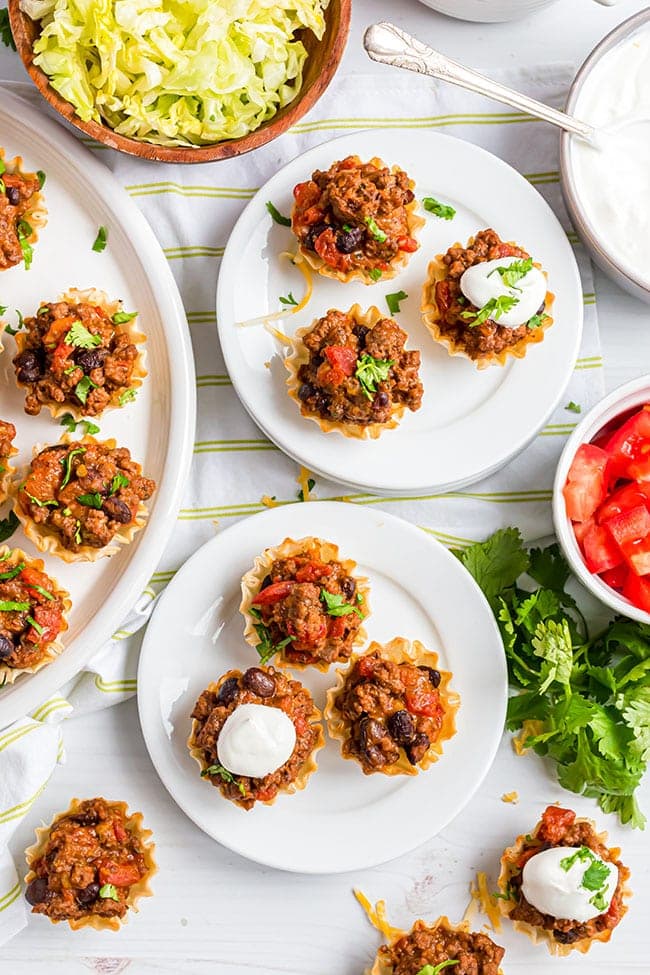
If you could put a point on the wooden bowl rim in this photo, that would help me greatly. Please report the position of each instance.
(231, 148)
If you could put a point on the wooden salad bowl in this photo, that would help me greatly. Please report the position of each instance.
(322, 61)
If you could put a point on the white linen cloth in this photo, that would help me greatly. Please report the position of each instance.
(192, 210)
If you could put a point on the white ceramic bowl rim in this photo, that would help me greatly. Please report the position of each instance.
(583, 224)
(619, 401)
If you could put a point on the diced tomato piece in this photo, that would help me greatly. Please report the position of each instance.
(366, 666)
(506, 250)
(350, 162)
(630, 526)
(337, 626)
(407, 244)
(526, 856)
(313, 570)
(265, 795)
(60, 357)
(580, 529)
(638, 556)
(622, 499)
(422, 701)
(306, 194)
(341, 357)
(637, 590)
(555, 822)
(330, 375)
(58, 329)
(600, 550)
(586, 483)
(325, 247)
(616, 577)
(630, 443)
(31, 578)
(273, 593)
(443, 300)
(49, 622)
(119, 874)
(121, 834)
(301, 725)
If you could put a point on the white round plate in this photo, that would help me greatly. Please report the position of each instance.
(343, 820)
(471, 422)
(158, 427)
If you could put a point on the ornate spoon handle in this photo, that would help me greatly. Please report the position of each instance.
(389, 44)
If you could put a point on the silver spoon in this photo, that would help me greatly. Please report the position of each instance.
(389, 44)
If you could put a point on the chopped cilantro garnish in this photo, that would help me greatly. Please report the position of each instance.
(39, 589)
(121, 317)
(9, 606)
(514, 272)
(12, 573)
(224, 774)
(8, 526)
(266, 648)
(289, 300)
(311, 484)
(69, 422)
(109, 892)
(442, 210)
(127, 396)
(393, 301)
(119, 481)
(573, 407)
(375, 273)
(535, 321)
(21, 323)
(277, 216)
(51, 503)
(37, 626)
(494, 308)
(24, 230)
(436, 969)
(370, 372)
(599, 901)
(79, 336)
(91, 500)
(67, 463)
(100, 240)
(83, 387)
(375, 230)
(335, 605)
(77, 534)
(5, 33)
(595, 876)
(41, 178)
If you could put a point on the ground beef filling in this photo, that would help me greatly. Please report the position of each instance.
(475, 954)
(559, 828)
(74, 353)
(15, 202)
(339, 349)
(31, 613)
(84, 492)
(489, 338)
(389, 706)
(353, 216)
(309, 609)
(7, 435)
(91, 860)
(255, 686)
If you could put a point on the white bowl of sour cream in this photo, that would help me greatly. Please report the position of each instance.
(607, 187)
(493, 11)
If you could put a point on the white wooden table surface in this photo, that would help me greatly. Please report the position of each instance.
(215, 912)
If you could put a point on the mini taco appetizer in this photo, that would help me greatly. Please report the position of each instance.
(255, 735)
(22, 212)
(82, 499)
(90, 866)
(356, 221)
(7, 451)
(486, 301)
(81, 355)
(303, 603)
(33, 611)
(392, 708)
(349, 371)
(562, 884)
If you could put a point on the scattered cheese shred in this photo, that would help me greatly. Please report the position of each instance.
(510, 797)
(304, 477)
(481, 896)
(269, 502)
(377, 916)
(528, 730)
(305, 270)
(277, 334)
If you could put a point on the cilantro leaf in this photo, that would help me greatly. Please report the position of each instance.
(595, 876)
(101, 240)
(224, 774)
(497, 563)
(375, 273)
(548, 567)
(535, 321)
(335, 605)
(94, 500)
(79, 336)
(127, 396)
(514, 272)
(109, 892)
(288, 301)
(277, 216)
(573, 407)
(493, 309)
(370, 372)
(121, 317)
(5, 30)
(8, 526)
(375, 229)
(266, 648)
(436, 969)
(83, 387)
(393, 301)
(442, 210)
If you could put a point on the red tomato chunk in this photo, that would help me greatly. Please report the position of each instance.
(586, 484)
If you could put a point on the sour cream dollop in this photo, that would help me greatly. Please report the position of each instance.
(555, 890)
(482, 282)
(256, 740)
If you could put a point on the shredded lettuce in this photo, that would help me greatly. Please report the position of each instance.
(175, 72)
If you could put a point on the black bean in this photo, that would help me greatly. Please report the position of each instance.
(28, 367)
(409, 196)
(305, 391)
(266, 581)
(314, 231)
(37, 892)
(13, 195)
(381, 399)
(228, 692)
(433, 675)
(349, 240)
(566, 937)
(88, 817)
(87, 895)
(6, 647)
(348, 587)
(259, 682)
(401, 727)
(374, 756)
(89, 359)
(370, 732)
(360, 331)
(416, 749)
(117, 510)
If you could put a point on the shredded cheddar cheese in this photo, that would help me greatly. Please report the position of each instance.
(303, 482)
(483, 899)
(510, 797)
(269, 502)
(377, 916)
(277, 334)
(303, 267)
(528, 730)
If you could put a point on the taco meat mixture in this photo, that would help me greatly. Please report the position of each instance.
(489, 337)
(559, 828)
(84, 492)
(15, 202)
(353, 216)
(90, 862)
(356, 374)
(256, 685)
(74, 353)
(31, 613)
(7, 435)
(475, 954)
(389, 706)
(309, 609)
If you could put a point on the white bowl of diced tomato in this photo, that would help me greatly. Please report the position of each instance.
(601, 500)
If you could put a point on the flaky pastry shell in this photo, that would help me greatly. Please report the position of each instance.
(135, 825)
(9, 674)
(93, 296)
(414, 222)
(300, 356)
(308, 768)
(36, 216)
(382, 965)
(399, 650)
(541, 935)
(47, 541)
(315, 548)
(7, 471)
(437, 271)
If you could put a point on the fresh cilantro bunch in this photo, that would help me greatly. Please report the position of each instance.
(583, 701)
